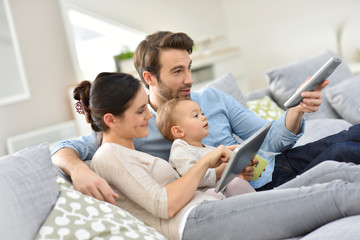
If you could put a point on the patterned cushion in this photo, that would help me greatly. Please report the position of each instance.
(265, 108)
(78, 216)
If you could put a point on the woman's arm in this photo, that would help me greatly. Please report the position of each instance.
(219, 171)
(181, 191)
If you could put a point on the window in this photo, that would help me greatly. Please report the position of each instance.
(97, 40)
(13, 83)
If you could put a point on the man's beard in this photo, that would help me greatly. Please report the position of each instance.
(168, 93)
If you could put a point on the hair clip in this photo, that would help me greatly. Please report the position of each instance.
(79, 107)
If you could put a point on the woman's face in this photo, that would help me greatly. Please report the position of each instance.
(134, 122)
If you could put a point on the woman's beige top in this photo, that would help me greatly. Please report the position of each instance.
(140, 180)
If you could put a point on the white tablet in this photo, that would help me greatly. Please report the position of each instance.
(242, 156)
(322, 74)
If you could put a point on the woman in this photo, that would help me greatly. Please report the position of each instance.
(115, 104)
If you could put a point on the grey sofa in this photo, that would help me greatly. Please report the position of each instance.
(36, 203)
(339, 111)
(340, 107)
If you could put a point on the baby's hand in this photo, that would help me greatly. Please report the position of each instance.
(248, 172)
(219, 155)
(232, 147)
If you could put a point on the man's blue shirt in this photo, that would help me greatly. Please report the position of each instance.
(228, 121)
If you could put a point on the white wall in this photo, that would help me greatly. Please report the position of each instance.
(270, 33)
(277, 32)
(197, 18)
(47, 59)
(48, 68)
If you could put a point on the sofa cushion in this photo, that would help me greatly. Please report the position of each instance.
(260, 93)
(316, 129)
(345, 99)
(78, 216)
(228, 85)
(265, 108)
(28, 192)
(285, 80)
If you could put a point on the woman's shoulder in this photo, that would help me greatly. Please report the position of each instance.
(108, 148)
(109, 151)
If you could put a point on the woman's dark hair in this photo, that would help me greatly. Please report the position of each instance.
(146, 57)
(109, 93)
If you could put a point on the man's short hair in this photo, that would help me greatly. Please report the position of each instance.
(146, 57)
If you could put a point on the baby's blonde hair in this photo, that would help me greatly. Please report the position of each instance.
(165, 117)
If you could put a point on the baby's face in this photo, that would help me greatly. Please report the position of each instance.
(191, 120)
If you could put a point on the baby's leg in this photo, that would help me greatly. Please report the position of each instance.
(212, 192)
(238, 186)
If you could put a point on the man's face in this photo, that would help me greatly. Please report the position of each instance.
(175, 78)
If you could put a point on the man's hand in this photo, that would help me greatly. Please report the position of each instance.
(88, 182)
(311, 103)
(84, 179)
(248, 172)
(312, 100)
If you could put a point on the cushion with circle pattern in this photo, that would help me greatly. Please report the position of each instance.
(78, 216)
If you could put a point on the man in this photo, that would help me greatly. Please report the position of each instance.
(164, 65)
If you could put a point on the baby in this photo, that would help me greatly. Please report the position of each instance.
(182, 121)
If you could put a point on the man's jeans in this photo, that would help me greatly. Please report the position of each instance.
(341, 147)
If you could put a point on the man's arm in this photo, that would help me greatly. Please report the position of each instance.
(311, 103)
(84, 179)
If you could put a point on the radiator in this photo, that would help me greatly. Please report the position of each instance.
(50, 134)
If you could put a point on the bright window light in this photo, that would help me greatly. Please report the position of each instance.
(97, 41)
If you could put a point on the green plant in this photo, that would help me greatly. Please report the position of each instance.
(124, 54)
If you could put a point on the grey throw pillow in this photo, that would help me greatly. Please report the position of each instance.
(228, 85)
(345, 99)
(285, 80)
(28, 192)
